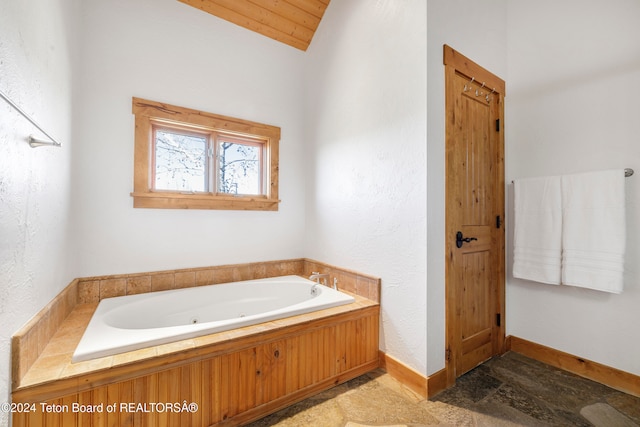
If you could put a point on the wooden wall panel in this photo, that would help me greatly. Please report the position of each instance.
(232, 387)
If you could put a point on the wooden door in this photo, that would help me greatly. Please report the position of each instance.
(474, 208)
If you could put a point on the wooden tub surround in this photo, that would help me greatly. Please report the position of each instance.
(226, 378)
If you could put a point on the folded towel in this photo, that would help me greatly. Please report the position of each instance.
(538, 229)
(594, 230)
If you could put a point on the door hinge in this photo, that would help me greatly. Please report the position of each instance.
(498, 319)
(498, 221)
(447, 354)
(497, 125)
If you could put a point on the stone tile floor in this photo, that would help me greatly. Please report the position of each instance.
(511, 390)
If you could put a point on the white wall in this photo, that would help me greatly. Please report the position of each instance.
(36, 63)
(166, 51)
(366, 127)
(355, 142)
(479, 33)
(572, 106)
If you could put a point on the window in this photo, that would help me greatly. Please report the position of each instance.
(182, 162)
(188, 159)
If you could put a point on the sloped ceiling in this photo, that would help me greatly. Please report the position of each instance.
(289, 21)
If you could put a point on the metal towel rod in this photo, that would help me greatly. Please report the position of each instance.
(627, 173)
(33, 141)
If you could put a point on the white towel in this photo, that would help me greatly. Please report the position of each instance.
(594, 229)
(538, 229)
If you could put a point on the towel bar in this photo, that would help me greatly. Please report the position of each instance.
(33, 141)
(627, 173)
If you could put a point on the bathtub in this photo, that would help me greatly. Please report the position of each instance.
(133, 322)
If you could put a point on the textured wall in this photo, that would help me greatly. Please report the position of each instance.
(366, 126)
(36, 55)
(179, 55)
(572, 107)
(353, 111)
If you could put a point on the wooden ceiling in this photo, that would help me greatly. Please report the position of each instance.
(289, 21)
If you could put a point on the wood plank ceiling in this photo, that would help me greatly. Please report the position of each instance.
(289, 21)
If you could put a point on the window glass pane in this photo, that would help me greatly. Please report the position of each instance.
(181, 161)
(240, 168)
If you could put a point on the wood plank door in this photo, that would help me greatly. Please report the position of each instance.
(474, 214)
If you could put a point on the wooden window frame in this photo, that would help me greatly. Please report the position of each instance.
(147, 113)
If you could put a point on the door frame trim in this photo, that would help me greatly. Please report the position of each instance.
(455, 62)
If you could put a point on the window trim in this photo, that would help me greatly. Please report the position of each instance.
(149, 112)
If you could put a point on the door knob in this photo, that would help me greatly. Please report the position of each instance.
(460, 239)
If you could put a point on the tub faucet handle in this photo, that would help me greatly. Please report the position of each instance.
(317, 276)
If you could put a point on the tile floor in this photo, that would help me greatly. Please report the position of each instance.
(511, 390)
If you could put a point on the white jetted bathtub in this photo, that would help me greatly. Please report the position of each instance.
(133, 322)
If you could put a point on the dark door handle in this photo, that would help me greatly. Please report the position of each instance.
(460, 239)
